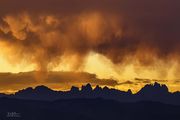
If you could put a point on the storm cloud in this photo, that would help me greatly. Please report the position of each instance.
(45, 32)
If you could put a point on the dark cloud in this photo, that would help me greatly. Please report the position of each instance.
(127, 83)
(142, 80)
(160, 81)
(177, 81)
(147, 81)
(61, 80)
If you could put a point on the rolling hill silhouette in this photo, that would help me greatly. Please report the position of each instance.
(152, 102)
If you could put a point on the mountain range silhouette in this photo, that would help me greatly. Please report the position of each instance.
(152, 102)
(150, 92)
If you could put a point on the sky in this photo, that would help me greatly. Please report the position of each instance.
(124, 43)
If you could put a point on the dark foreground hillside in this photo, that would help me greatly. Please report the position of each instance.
(85, 109)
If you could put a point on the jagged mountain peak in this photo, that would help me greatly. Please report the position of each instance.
(155, 88)
(98, 88)
(87, 88)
